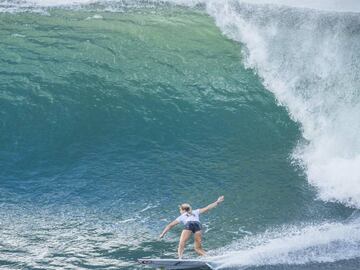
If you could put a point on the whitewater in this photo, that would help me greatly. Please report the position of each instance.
(307, 55)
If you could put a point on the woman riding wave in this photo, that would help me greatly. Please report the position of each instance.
(191, 221)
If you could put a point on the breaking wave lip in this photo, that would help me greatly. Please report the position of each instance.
(294, 245)
(325, 5)
(309, 60)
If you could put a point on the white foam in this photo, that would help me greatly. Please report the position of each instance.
(310, 61)
(95, 17)
(325, 5)
(326, 242)
(328, 5)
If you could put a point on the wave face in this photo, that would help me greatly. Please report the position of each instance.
(110, 119)
(310, 61)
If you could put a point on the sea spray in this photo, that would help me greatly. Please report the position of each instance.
(327, 242)
(310, 60)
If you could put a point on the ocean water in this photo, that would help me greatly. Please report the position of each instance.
(112, 113)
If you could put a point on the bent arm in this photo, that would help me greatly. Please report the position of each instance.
(169, 227)
(212, 205)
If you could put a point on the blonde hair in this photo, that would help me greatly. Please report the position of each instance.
(186, 207)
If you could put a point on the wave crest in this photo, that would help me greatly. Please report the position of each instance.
(309, 60)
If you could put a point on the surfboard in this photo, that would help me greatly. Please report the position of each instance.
(175, 264)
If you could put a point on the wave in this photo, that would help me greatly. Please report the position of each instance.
(310, 60)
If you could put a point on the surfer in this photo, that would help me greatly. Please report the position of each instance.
(191, 221)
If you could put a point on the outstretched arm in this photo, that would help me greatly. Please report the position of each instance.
(168, 227)
(212, 205)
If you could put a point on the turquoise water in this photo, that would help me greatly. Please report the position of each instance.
(114, 113)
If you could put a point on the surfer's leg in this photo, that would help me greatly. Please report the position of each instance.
(185, 235)
(197, 244)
